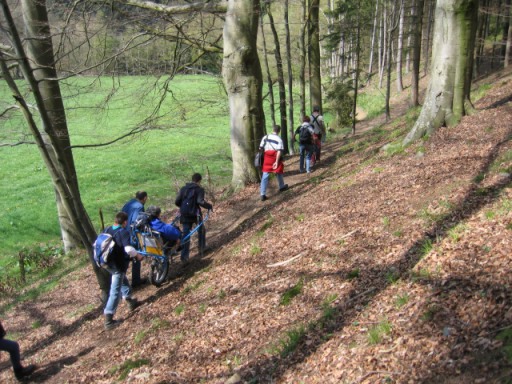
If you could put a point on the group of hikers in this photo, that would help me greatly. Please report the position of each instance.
(190, 199)
(312, 134)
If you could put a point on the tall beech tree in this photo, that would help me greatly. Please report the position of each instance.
(241, 71)
(47, 122)
(447, 97)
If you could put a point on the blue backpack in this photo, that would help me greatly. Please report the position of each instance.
(103, 247)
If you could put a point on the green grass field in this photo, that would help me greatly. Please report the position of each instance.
(192, 136)
(190, 133)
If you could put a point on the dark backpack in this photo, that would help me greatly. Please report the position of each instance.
(103, 247)
(141, 223)
(305, 135)
(188, 205)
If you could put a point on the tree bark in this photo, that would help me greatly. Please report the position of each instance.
(315, 77)
(270, 84)
(372, 45)
(430, 20)
(280, 81)
(291, 125)
(243, 81)
(303, 54)
(509, 38)
(399, 49)
(37, 66)
(417, 23)
(448, 91)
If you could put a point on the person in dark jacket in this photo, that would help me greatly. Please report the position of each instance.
(306, 147)
(122, 253)
(170, 234)
(189, 215)
(133, 208)
(13, 348)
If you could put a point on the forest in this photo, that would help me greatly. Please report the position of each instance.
(276, 60)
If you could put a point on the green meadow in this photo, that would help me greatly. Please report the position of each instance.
(189, 133)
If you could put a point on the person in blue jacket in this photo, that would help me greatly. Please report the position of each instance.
(133, 208)
(170, 233)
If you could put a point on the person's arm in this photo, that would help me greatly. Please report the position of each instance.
(278, 157)
(179, 198)
(124, 240)
(200, 200)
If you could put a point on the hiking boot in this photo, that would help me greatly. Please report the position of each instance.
(110, 323)
(24, 371)
(285, 188)
(132, 303)
(263, 197)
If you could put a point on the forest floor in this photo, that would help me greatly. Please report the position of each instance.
(381, 267)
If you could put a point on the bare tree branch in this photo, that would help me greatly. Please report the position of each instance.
(209, 6)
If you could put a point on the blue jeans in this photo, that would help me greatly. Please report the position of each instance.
(119, 286)
(264, 182)
(13, 349)
(185, 245)
(306, 151)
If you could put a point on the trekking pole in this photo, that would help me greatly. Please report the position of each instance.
(187, 238)
(102, 222)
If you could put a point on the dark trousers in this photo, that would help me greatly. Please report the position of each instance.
(13, 349)
(136, 272)
(185, 245)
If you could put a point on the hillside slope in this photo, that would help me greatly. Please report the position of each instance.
(395, 267)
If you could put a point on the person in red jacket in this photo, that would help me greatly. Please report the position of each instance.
(273, 147)
(13, 348)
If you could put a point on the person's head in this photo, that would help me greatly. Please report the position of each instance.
(142, 196)
(196, 178)
(316, 108)
(121, 219)
(154, 211)
(276, 129)
(306, 119)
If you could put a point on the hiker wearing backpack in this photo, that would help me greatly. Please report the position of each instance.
(273, 147)
(306, 147)
(119, 259)
(133, 208)
(170, 233)
(190, 199)
(317, 121)
(13, 349)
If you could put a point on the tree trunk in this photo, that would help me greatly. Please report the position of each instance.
(383, 41)
(509, 39)
(37, 66)
(417, 23)
(392, 24)
(399, 49)
(280, 81)
(241, 72)
(315, 78)
(372, 45)
(291, 125)
(270, 85)
(431, 5)
(448, 91)
(302, 53)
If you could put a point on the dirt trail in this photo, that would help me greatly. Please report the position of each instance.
(374, 217)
